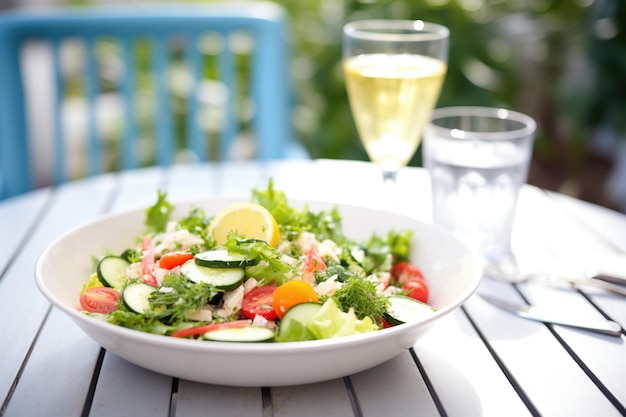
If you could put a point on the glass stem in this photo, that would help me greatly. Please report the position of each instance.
(390, 192)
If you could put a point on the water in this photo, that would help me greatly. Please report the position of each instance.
(477, 202)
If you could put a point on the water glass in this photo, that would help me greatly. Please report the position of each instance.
(478, 160)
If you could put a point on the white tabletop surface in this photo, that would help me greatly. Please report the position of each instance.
(478, 361)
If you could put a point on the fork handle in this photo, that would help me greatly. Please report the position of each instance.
(598, 283)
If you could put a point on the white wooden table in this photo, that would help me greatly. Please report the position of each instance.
(478, 361)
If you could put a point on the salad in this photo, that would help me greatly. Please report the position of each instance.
(258, 271)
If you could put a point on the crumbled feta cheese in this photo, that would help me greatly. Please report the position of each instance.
(159, 274)
(263, 322)
(329, 249)
(284, 247)
(249, 285)
(328, 287)
(201, 314)
(391, 290)
(289, 260)
(305, 240)
(176, 240)
(134, 270)
(232, 302)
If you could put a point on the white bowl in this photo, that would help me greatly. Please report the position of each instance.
(451, 270)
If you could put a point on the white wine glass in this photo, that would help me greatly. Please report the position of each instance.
(394, 71)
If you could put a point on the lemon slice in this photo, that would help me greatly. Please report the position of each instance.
(246, 219)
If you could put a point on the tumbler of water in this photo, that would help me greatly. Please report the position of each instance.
(478, 160)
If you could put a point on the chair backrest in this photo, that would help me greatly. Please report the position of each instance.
(100, 89)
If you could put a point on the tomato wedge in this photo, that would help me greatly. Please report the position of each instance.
(173, 259)
(405, 271)
(101, 300)
(417, 289)
(259, 302)
(198, 330)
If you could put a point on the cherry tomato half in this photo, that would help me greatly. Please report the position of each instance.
(173, 259)
(198, 330)
(405, 271)
(291, 293)
(99, 300)
(417, 289)
(259, 302)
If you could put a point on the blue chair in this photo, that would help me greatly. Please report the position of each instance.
(146, 85)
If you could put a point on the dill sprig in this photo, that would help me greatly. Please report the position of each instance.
(360, 294)
(184, 295)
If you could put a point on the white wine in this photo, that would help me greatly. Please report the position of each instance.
(392, 97)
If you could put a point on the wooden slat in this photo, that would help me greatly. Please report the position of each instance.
(17, 216)
(205, 400)
(138, 190)
(59, 142)
(125, 389)
(326, 399)
(58, 374)
(19, 296)
(128, 90)
(193, 182)
(463, 372)
(398, 386)
(536, 353)
(226, 75)
(95, 163)
(163, 130)
(609, 225)
(195, 137)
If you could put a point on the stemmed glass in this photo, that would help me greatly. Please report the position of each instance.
(394, 71)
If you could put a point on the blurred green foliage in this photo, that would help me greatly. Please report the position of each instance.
(561, 61)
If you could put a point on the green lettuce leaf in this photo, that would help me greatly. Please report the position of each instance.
(331, 322)
(158, 215)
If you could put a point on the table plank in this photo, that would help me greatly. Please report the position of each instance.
(563, 385)
(608, 224)
(138, 189)
(125, 389)
(602, 355)
(205, 400)
(465, 376)
(58, 373)
(19, 296)
(405, 391)
(17, 216)
(192, 182)
(324, 399)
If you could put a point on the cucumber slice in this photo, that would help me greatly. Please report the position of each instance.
(220, 258)
(136, 297)
(241, 334)
(225, 279)
(404, 309)
(111, 271)
(292, 323)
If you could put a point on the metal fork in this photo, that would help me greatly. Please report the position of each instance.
(512, 274)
